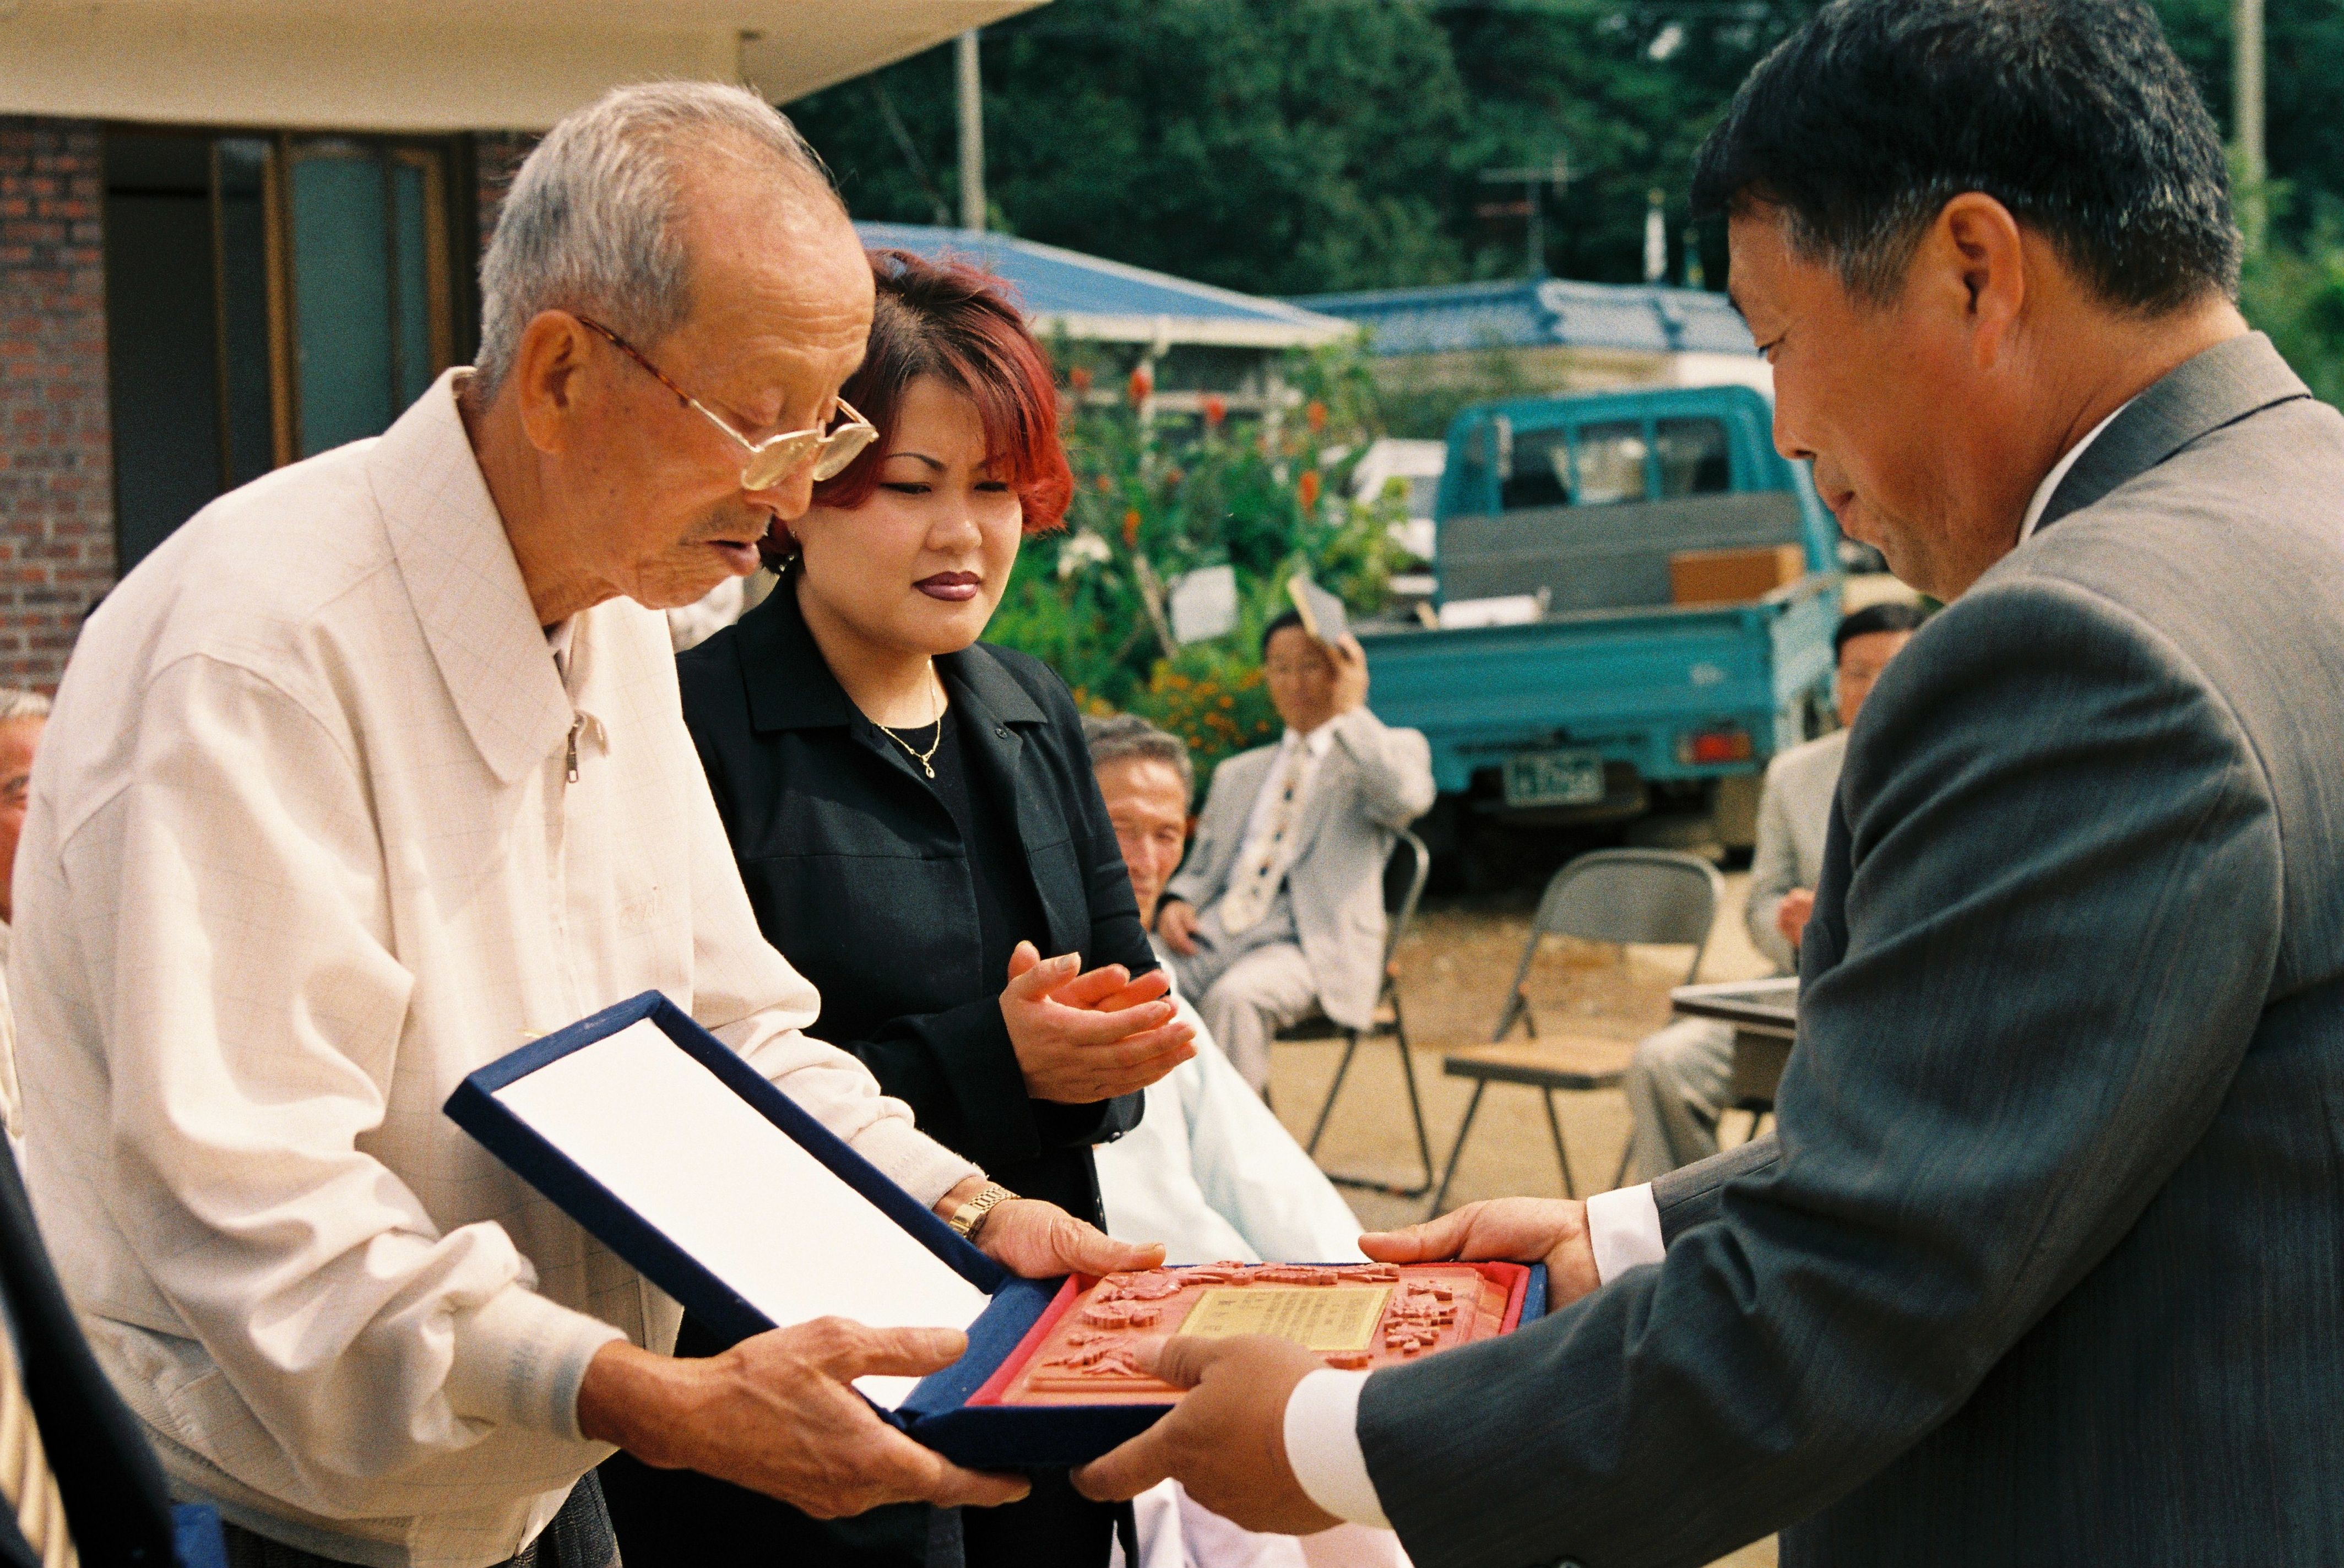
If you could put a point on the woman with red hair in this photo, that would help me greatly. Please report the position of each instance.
(918, 824)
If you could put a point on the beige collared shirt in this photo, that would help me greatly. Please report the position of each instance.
(304, 848)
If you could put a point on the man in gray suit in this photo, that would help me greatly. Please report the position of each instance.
(1279, 913)
(2047, 1263)
(1681, 1074)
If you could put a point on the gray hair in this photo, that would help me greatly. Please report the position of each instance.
(18, 704)
(590, 222)
(1121, 737)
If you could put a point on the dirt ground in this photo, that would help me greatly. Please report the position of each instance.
(1455, 965)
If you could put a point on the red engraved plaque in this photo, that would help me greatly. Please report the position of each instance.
(1087, 1350)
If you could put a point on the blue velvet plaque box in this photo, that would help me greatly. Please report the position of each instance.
(620, 1149)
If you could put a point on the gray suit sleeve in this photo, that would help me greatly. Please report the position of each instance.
(1774, 872)
(1395, 767)
(1692, 1195)
(2024, 1030)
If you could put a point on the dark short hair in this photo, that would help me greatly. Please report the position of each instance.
(1889, 617)
(2072, 113)
(947, 318)
(1291, 618)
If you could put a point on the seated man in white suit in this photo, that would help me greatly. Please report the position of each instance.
(1210, 1171)
(1279, 914)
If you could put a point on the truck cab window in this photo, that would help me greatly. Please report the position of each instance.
(1693, 456)
(1612, 463)
(1540, 474)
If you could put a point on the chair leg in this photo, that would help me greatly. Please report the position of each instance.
(1561, 1154)
(1416, 1114)
(1464, 1128)
(1342, 1070)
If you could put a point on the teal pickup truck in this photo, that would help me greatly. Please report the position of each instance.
(1564, 686)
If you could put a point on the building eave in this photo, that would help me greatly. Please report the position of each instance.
(435, 65)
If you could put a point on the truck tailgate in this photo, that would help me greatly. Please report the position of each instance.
(1481, 693)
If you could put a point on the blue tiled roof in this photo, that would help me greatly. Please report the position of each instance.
(1522, 315)
(1106, 300)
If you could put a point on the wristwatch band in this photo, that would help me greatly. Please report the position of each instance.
(969, 1218)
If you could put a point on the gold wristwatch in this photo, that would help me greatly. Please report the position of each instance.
(969, 1218)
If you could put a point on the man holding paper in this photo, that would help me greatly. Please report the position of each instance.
(376, 771)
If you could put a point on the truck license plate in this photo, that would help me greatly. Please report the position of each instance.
(1554, 778)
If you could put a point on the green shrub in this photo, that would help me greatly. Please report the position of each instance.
(1157, 498)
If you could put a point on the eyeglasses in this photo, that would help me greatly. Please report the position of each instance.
(775, 458)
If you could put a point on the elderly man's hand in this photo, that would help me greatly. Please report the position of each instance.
(1225, 1441)
(1549, 1230)
(776, 1414)
(1072, 1051)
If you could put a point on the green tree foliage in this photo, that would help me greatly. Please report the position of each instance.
(2295, 292)
(1298, 146)
(1266, 146)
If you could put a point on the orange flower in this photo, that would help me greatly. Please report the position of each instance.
(1079, 378)
(1316, 415)
(1216, 409)
(1143, 382)
(1131, 528)
(1306, 490)
(1105, 484)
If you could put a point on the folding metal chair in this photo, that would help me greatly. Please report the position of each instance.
(1621, 895)
(1403, 886)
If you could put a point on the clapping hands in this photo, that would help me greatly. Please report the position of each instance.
(1085, 1037)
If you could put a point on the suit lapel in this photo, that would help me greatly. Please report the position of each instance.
(1333, 773)
(2221, 386)
(1247, 772)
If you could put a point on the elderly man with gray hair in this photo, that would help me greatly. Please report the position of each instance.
(374, 771)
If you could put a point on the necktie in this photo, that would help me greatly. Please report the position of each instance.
(26, 1482)
(1249, 898)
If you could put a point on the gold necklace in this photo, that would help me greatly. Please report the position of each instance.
(926, 758)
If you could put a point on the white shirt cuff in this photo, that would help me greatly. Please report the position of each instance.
(1624, 1230)
(519, 1360)
(1322, 1446)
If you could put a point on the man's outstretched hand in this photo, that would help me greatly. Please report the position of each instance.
(1549, 1230)
(777, 1413)
(1225, 1441)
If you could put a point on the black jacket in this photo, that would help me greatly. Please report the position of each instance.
(858, 876)
(107, 1476)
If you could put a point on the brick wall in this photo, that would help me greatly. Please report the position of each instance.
(57, 483)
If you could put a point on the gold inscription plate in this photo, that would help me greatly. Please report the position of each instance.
(1326, 1317)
